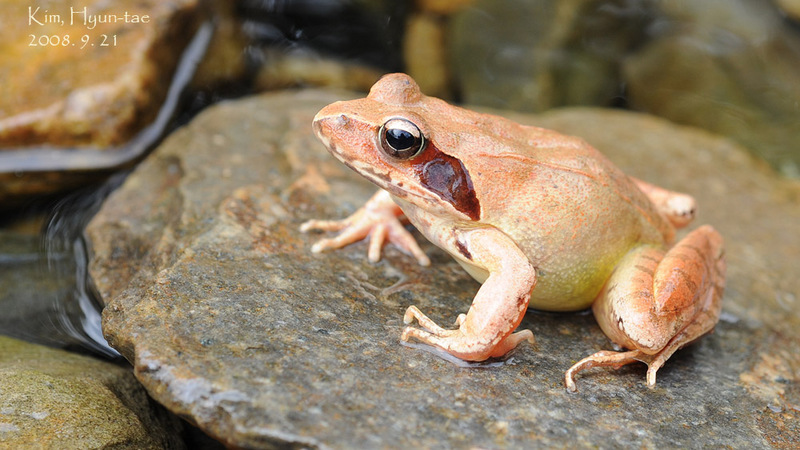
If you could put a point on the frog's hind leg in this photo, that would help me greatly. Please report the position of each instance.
(655, 303)
(678, 208)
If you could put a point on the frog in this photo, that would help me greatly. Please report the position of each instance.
(540, 219)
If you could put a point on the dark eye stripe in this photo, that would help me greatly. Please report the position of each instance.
(448, 178)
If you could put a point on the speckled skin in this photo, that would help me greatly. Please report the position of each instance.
(541, 219)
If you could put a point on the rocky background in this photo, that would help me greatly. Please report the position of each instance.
(222, 316)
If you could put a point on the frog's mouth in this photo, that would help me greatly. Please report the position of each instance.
(385, 181)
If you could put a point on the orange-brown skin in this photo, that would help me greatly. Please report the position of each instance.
(541, 219)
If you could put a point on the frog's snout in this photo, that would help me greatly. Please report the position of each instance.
(316, 125)
(325, 123)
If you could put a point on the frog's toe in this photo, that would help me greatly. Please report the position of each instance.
(322, 225)
(457, 342)
(347, 237)
(465, 346)
(405, 241)
(428, 337)
(522, 336)
(453, 342)
(425, 322)
(651, 376)
(618, 359)
(349, 233)
(680, 209)
(655, 362)
(601, 359)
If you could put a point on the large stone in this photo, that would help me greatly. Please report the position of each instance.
(732, 67)
(79, 82)
(67, 82)
(533, 55)
(790, 7)
(231, 322)
(54, 399)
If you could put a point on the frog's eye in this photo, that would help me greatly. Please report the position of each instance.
(401, 139)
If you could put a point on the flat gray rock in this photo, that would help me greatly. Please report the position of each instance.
(212, 293)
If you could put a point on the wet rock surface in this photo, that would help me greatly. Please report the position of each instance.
(79, 83)
(211, 291)
(92, 85)
(54, 399)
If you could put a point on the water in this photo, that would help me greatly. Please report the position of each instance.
(45, 292)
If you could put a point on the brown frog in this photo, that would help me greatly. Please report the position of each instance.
(541, 219)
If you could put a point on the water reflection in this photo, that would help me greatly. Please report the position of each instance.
(46, 294)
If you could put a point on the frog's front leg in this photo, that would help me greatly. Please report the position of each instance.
(499, 306)
(656, 302)
(378, 219)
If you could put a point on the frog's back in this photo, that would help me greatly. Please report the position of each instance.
(572, 212)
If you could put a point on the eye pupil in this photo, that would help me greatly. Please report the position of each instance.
(401, 139)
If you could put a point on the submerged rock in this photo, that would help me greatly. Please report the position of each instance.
(29, 293)
(535, 55)
(54, 399)
(212, 293)
(731, 67)
(790, 7)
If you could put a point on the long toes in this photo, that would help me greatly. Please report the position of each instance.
(322, 225)
(348, 236)
(683, 209)
(321, 245)
(408, 333)
(524, 335)
(412, 312)
(376, 239)
(436, 338)
(327, 244)
(424, 321)
(652, 367)
(401, 238)
(651, 377)
(602, 358)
